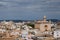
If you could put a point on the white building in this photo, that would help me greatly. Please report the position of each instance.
(56, 34)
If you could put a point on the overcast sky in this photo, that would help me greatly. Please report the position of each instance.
(29, 9)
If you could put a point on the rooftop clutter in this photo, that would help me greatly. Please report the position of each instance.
(42, 30)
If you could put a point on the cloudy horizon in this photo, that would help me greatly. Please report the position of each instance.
(29, 9)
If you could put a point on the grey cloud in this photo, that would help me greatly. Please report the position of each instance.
(25, 9)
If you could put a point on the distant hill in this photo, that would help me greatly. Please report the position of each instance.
(18, 20)
(54, 20)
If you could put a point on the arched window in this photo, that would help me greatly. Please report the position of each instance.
(46, 30)
(46, 26)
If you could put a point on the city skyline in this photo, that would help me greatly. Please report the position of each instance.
(29, 9)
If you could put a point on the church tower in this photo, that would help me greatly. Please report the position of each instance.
(44, 19)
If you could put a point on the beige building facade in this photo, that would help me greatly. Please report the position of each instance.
(43, 25)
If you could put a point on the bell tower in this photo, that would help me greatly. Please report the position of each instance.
(44, 19)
